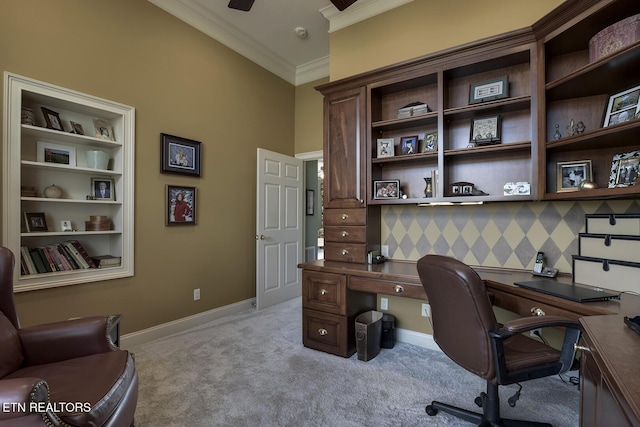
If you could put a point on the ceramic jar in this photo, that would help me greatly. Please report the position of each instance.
(53, 192)
(27, 117)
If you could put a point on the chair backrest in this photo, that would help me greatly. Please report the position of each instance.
(461, 312)
(7, 305)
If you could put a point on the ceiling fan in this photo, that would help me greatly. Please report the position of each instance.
(245, 5)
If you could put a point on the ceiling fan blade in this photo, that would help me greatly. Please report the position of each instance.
(342, 4)
(244, 5)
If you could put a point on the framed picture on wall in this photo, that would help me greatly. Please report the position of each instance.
(180, 155)
(180, 208)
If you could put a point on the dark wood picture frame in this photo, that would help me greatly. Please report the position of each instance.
(35, 221)
(180, 212)
(110, 190)
(489, 90)
(52, 119)
(180, 155)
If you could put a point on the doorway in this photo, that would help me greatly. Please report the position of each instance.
(314, 185)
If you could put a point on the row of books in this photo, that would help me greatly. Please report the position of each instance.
(64, 256)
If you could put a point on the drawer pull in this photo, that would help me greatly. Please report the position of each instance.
(345, 252)
(345, 234)
(536, 311)
(398, 289)
(581, 347)
(323, 292)
(345, 216)
(322, 332)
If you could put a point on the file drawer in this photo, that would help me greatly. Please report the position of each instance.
(607, 274)
(351, 234)
(328, 332)
(387, 287)
(606, 246)
(345, 217)
(346, 252)
(628, 224)
(324, 291)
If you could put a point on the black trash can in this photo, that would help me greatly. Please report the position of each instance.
(368, 333)
(388, 337)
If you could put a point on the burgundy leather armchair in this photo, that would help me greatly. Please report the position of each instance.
(62, 374)
(466, 329)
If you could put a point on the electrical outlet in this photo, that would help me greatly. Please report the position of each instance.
(536, 333)
(426, 310)
(384, 303)
(384, 251)
(196, 294)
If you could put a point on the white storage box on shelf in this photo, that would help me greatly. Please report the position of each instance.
(607, 274)
(609, 246)
(618, 224)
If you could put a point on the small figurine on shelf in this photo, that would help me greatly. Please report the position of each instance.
(575, 128)
(428, 189)
(557, 135)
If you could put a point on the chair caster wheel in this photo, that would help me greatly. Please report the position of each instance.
(478, 401)
(431, 411)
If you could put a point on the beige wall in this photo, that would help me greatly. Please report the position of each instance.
(308, 132)
(181, 82)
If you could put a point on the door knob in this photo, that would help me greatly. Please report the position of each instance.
(261, 237)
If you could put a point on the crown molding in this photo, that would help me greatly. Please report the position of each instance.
(359, 11)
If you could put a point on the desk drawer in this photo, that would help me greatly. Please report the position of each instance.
(345, 217)
(351, 234)
(346, 252)
(387, 287)
(324, 291)
(328, 332)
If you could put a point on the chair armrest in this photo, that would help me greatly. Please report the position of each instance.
(53, 342)
(525, 324)
(16, 395)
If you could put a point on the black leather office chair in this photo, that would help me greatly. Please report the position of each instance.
(465, 328)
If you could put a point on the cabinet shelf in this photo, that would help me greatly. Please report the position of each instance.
(488, 149)
(430, 118)
(82, 201)
(418, 157)
(69, 169)
(596, 193)
(497, 106)
(611, 136)
(66, 137)
(68, 234)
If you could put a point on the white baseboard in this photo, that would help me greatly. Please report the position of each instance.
(416, 338)
(179, 325)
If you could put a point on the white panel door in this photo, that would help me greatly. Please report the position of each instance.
(279, 228)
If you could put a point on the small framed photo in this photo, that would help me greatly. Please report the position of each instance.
(310, 202)
(35, 221)
(48, 152)
(489, 90)
(624, 169)
(52, 119)
(180, 205)
(462, 189)
(65, 225)
(104, 130)
(387, 189)
(485, 130)
(386, 147)
(103, 189)
(431, 142)
(571, 174)
(180, 155)
(409, 144)
(622, 107)
(76, 128)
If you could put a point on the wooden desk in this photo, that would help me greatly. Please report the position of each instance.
(334, 293)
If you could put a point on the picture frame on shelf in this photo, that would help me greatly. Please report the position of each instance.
(489, 90)
(571, 174)
(180, 155)
(409, 144)
(386, 147)
(430, 142)
(103, 189)
(462, 188)
(624, 169)
(52, 119)
(35, 221)
(48, 152)
(65, 225)
(622, 107)
(180, 205)
(386, 189)
(486, 130)
(76, 128)
(310, 202)
(104, 130)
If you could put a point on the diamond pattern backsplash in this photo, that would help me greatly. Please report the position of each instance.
(495, 234)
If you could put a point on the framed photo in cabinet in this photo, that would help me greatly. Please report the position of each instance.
(104, 130)
(622, 107)
(180, 155)
(181, 205)
(52, 119)
(35, 221)
(76, 128)
(571, 174)
(485, 130)
(103, 189)
(385, 147)
(624, 169)
(387, 189)
(48, 152)
(409, 144)
(431, 142)
(489, 90)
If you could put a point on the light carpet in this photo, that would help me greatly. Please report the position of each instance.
(251, 369)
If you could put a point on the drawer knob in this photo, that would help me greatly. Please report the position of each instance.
(536, 311)
(345, 216)
(322, 332)
(345, 252)
(323, 292)
(398, 289)
(581, 347)
(345, 234)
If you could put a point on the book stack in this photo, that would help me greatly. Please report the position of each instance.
(28, 191)
(64, 256)
(413, 109)
(106, 261)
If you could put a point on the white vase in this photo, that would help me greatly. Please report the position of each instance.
(53, 192)
(97, 159)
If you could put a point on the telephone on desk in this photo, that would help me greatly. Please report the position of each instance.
(540, 270)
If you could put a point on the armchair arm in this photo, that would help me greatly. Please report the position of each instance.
(525, 324)
(16, 395)
(68, 339)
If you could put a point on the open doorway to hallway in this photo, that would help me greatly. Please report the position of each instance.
(314, 229)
